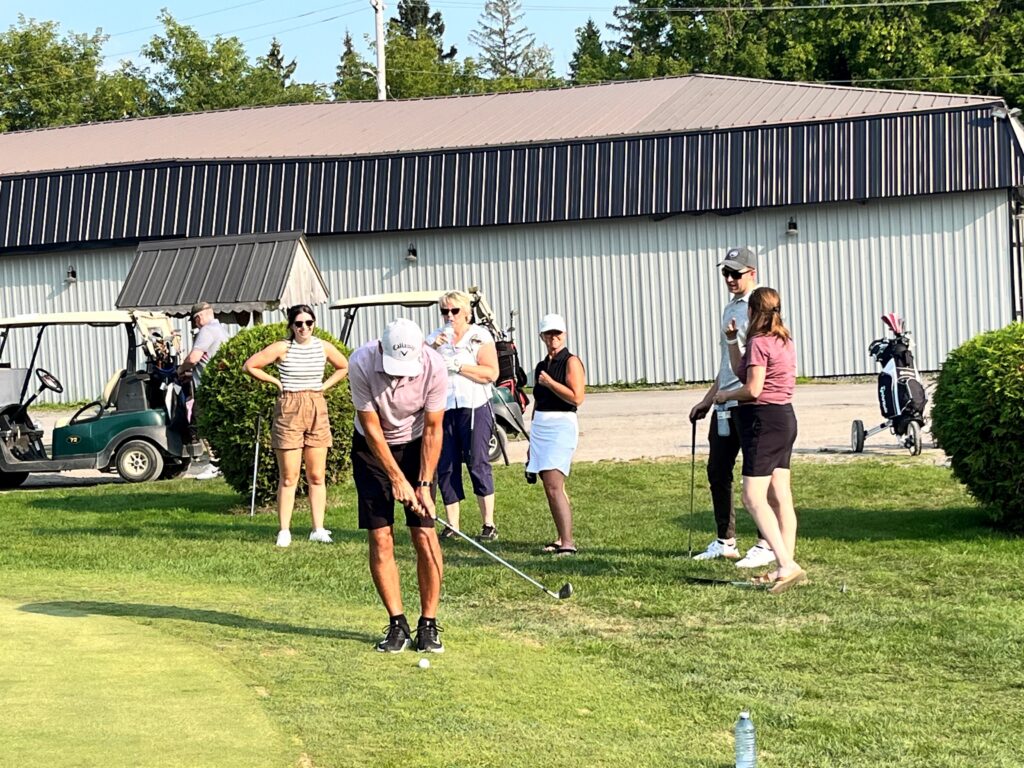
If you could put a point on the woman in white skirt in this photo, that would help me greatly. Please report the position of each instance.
(559, 383)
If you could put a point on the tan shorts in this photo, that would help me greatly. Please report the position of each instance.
(301, 421)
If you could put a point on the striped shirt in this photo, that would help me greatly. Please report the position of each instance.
(303, 366)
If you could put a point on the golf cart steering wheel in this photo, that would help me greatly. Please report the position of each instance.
(49, 381)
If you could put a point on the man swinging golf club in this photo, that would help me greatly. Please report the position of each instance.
(399, 388)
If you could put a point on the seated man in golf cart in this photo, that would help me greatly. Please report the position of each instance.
(127, 429)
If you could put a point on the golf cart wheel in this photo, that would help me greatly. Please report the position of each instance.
(138, 461)
(913, 439)
(857, 436)
(174, 470)
(12, 479)
(497, 440)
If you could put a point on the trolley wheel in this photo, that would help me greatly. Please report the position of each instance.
(494, 444)
(857, 436)
(913, 440)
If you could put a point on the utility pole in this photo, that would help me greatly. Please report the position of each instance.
(382, 83)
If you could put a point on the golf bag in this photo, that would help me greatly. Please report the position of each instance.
(901, 394)
(511, 375)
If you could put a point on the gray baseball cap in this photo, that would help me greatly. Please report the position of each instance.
(739, 259)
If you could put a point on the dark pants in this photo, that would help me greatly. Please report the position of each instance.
(466, 435)
(721, 462)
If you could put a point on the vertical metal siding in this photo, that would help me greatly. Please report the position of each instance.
(881, 157)
(642, 298)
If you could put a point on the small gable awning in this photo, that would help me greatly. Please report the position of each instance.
(245, 273)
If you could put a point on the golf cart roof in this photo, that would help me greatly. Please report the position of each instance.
(101, 318)
(402, 299)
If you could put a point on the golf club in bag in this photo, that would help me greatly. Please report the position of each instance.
(901, 394)
(563, 593)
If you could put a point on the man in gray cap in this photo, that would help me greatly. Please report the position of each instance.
(210, 334)
(739, 268)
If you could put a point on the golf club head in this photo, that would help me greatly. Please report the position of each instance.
(565, 592)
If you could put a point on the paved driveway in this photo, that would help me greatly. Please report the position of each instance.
(622, 426)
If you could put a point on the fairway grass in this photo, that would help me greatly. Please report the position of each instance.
(904, 650)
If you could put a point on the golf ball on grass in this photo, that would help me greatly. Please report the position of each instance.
(424, 664)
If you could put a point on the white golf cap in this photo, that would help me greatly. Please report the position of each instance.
(552, 322)
(402, 345)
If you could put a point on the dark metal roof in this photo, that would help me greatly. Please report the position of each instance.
(950, 150)
(249, 273)
(354, 129)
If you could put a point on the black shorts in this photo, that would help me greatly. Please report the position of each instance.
(767, 434)
(373, 486)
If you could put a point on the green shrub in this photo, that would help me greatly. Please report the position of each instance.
(978, 417)
(231, 402)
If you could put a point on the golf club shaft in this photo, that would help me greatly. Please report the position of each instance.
(486, 551)
(255, 466)
(693, 465)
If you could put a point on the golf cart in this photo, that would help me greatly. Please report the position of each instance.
(508, 401)
(135, 427)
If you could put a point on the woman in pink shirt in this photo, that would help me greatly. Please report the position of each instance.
(768, 430)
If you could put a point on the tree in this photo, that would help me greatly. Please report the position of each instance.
(590, 62)
(415, 21)
(50, 80)
(351, 82)
(507, 48)
(194, 76)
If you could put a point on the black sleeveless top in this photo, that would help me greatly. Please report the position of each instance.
(558, 369)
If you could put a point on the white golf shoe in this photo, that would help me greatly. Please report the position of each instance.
(757, 557)
(284, 538)
(322, 535)
(718, 548)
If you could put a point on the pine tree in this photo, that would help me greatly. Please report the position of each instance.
(590, 63)
(415, 19)
(351, 82)
(507, 48)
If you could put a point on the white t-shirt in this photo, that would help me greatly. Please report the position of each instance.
(462, 391)
(736, 310)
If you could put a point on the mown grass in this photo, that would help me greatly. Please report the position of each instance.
(903, 651)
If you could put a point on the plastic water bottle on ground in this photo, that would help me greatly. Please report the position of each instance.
(723, 420)
(746, 748)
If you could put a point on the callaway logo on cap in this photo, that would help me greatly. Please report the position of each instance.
(402, 347)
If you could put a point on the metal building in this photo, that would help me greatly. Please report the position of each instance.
(611, 204)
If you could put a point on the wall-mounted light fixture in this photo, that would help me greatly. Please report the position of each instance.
(1001, 112)
(410, 254)
(72, 276)
(791, 228)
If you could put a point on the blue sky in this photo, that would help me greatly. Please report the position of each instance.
(310, 30)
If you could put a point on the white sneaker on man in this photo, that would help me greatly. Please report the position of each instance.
(284, 538)
(209, 473)
(757, 557)
(322, 535)
(718, 548)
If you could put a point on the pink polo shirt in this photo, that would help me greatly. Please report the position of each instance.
(399, 402)
(778, 358)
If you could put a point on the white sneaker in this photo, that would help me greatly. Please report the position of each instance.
(284, 538)
(322, 535)
(718, 548)
(757, 557)
(209, 473)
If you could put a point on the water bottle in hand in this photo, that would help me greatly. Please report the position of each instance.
(722, 413)
(746, 748)
(447, 333)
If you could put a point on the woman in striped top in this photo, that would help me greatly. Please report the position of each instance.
(302, 429)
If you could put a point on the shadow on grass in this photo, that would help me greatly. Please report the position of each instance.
(948, 524)
(188, 530)
(76, 609)
(120, 498)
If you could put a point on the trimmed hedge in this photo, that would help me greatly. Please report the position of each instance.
(978, 419)
(231, 402)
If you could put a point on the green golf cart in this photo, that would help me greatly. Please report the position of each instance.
(135, 427)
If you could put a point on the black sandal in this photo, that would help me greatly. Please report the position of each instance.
(552, 546)
(565, 551)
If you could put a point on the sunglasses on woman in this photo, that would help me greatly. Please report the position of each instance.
(446, 311)
(307, 323)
